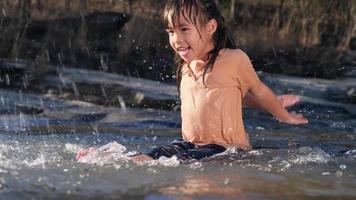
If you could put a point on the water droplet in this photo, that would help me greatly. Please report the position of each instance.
(122, 104)
(76, 90)
(103, 64)
(7, 77)
(3, 12)
(339, 173)
(342, 167)
(104, 93)
(60, 58)
(227, 181)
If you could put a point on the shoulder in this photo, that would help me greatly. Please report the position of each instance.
(233, 54)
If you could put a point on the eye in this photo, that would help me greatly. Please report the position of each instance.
(184, 29)
(169, 31)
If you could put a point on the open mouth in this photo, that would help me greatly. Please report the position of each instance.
(183, 52)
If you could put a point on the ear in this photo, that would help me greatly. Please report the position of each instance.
(212, 26)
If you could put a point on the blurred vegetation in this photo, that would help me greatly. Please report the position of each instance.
(295, 37)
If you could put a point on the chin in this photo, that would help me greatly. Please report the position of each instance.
(185, 60)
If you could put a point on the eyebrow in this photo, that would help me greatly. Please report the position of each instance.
(178, 25)
(183, 24)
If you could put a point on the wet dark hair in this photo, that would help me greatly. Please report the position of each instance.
(199, 12)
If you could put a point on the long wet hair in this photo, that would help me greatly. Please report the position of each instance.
(199, 12)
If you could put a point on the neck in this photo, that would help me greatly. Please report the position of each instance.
(205, 56)
(208, 48)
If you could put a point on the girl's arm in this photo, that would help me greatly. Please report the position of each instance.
(286, 100)
(249, 101)
(267, 100)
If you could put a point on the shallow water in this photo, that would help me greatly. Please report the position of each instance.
(44, 166)
(37, 154)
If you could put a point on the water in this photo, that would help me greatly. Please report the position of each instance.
(42, 167)
(40, 135)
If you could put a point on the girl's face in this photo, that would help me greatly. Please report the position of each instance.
(191, 42)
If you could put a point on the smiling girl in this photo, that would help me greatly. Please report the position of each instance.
(214, 80)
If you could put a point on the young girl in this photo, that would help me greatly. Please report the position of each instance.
(214, 80)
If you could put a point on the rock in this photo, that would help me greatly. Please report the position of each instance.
(112, 89)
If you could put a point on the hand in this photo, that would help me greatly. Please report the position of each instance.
(294, 119)
(288, 100)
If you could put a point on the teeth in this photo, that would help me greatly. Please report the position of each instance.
(183, 51)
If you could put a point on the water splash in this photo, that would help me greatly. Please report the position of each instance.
(122, 104)
(103, 63)
(163, 161)
(6, 123)
(76, 90)
(23, 121)
(110, 153)
(39, 161)
(306, 155)
(302, 156)
(7, 79)
(5, 161)
(351, 153)
(102, 88)
(72, 148)
(116, 153)
(195, 165)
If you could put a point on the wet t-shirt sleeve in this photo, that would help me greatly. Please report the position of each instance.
(245, 73)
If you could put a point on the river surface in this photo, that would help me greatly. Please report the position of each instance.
(37, 152)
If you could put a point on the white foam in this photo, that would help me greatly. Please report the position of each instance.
(255, 152)
(231, 150)
(36, 162)
(304, 155)
(112, 152)
(310, 155)
(351, 153)
(162, 161)
(5, 162)
(195, 165)
(170, 162)
(72, 148)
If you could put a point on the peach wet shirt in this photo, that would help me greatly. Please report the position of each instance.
(213, 114)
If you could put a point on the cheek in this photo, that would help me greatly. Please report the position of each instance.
(171, 43)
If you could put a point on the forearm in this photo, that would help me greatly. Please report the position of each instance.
(267, 100)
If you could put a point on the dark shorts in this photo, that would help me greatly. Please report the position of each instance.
(185, 150)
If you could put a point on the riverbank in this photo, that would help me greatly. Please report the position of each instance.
(295, 38)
